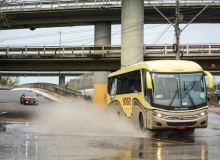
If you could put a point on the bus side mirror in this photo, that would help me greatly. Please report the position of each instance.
(210, 78)
(149, 81)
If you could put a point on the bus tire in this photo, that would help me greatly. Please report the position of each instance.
(141, 121)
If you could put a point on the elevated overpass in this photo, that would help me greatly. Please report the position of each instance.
(98, 58)
(131, 14)
(60, 13)
(42, 73)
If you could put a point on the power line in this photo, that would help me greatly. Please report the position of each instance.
(44, 34)
(196, 16)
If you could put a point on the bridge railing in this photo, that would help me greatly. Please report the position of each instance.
(53, 88)
(216, 88)
(104, 50)
(65, 3)
(185, 49)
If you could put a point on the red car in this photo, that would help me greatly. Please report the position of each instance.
(29, 97)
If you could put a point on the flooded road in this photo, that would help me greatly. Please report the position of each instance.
(80, 130)
(19, 144)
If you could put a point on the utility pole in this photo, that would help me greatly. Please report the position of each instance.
(178, 18)
(177, 31)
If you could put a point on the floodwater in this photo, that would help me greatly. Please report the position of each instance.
(80, 130)
(18, 143)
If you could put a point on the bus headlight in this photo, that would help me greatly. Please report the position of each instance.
(203, 113)
(157, 114)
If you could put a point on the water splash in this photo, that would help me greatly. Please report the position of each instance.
(80, 117)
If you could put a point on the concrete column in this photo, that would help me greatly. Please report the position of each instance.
(62, 81)
(132, 32)
(102, 37)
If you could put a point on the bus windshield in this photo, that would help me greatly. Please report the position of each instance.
(178, 90)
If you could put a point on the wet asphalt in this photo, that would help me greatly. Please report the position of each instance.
(20, 142)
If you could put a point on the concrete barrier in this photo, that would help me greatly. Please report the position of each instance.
(53, 88)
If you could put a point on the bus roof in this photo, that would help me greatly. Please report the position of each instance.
(162, 66)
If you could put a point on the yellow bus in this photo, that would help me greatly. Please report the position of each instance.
(161, 94)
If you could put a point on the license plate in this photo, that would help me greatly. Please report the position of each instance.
(181, 127)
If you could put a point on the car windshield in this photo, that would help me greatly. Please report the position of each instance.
(179, 90)
(30, 94)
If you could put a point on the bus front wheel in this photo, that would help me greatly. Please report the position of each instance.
(141, 121)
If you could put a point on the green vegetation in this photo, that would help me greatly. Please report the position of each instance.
(10, 81)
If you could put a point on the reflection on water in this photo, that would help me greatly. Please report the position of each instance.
(169, 149)
(159, 150)
(26, 146)
(38, 146)
(203, 153)
(62, 146)
(30, 147)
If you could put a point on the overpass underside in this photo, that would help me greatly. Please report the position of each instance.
(97, 63)
(91, 14)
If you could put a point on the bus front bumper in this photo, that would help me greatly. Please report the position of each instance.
(185, 120)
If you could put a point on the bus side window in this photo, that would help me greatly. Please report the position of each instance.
(137, 81)
(123, 85)
(129, 82)
(109, 85)
(118, 91)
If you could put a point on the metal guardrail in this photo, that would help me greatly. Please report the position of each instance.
(52, 87)
(215, 89)
(65, 3)
(80, 51)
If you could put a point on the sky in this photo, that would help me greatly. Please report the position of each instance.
(84, 35)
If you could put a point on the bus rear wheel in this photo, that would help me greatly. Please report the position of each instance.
(141, 121)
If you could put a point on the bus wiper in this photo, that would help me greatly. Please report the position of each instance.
(187, 93)
(190, 99)
(174, 96)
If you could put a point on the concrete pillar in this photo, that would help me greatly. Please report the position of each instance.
(132, 32)
(62, 81)
(102, 37)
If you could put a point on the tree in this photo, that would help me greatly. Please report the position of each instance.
(4, 18)
(10, 81)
